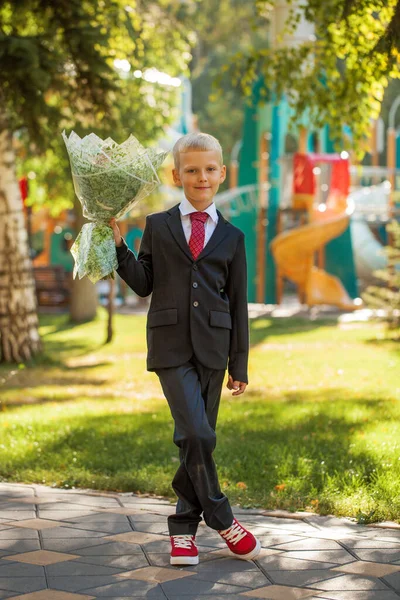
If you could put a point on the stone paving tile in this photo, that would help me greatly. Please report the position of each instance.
(31, 500)
(20, 585)
(74, 569)
(87, 500)
(145, 517)
(131, 588)
(53, 595)
(38, 524)
(280, 563)
(365, 543)
(97, 517)
(17, 569)
(194, 585)
(125, 562)
(371, 569)
(17, 546)
(349, 583)
(80, 583)
(4, 595)
(106, 542)
(66, 545)
(102, 527)
(364, 595)
(311, 544)
(110, 549)
(204, 597)
(279, 592)
(161, 528)
(249, 579)
(121, 511)
(70, 532)
(393, 579)
(302, 578)
(333, 556)
(136, 537)
(17, 515)
(385, 555)
(66, 514)
(157, 574)
(277, 539)
(41, 557)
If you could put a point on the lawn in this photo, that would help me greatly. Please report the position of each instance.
(318, 428)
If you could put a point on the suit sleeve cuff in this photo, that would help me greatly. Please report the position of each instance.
(238, 367)
(122, 251)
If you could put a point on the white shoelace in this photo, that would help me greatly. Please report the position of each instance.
(183, 541)
(234, 534)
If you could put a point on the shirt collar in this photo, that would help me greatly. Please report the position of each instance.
(186, 208)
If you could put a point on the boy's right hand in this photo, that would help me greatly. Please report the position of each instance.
(116, 232)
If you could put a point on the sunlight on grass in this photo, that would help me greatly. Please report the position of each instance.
(318, 428)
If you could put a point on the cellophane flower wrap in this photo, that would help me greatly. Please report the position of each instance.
(109, 178)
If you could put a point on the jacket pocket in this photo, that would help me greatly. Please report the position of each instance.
(158, 318)
(218, 318)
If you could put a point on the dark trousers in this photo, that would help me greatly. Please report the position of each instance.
(193, 393)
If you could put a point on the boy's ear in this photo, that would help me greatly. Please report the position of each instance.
(223, 174)
(175, 176)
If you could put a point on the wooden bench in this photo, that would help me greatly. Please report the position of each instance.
(52, 286)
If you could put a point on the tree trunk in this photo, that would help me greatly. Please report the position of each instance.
(83, 306)
(19, 326)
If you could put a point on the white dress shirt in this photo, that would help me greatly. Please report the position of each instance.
(186, 208)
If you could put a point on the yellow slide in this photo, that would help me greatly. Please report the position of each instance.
(294, 253)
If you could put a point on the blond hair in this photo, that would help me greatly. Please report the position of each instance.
(196, 141)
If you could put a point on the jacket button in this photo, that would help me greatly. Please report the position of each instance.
(195, 303)
(195, 267)
(195, 284)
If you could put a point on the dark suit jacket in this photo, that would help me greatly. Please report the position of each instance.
(198, 306)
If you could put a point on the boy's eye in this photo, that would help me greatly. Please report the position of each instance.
(211, 169)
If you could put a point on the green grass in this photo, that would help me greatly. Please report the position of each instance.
(318, 428)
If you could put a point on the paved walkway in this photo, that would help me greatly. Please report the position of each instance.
(81, 544)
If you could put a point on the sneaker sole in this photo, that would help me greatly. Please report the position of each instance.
(184, 560)
(249, 555)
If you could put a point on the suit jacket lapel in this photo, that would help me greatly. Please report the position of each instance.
(175, 224)
(219, 233)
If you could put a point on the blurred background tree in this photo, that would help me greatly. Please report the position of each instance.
(222, 28)
(338, 75)
(65, 65)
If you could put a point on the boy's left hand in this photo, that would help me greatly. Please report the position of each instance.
(238, 386)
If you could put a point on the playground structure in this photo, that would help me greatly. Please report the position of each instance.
(310, 219)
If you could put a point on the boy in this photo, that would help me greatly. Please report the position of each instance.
(193, 262)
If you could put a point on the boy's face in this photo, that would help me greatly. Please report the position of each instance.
(200, 174)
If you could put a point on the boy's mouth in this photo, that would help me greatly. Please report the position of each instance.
(203, 188)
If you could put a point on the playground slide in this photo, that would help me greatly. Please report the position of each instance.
(294, 252)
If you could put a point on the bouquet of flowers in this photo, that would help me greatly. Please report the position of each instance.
(109, 178)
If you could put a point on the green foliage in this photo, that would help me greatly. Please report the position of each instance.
(222, 28)
(58, 69)
(387, 296)
(340, 75)
(318, 428)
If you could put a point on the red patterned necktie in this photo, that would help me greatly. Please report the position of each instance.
(196, 242)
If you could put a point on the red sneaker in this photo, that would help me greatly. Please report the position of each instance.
(184, 550)
(241, 543)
